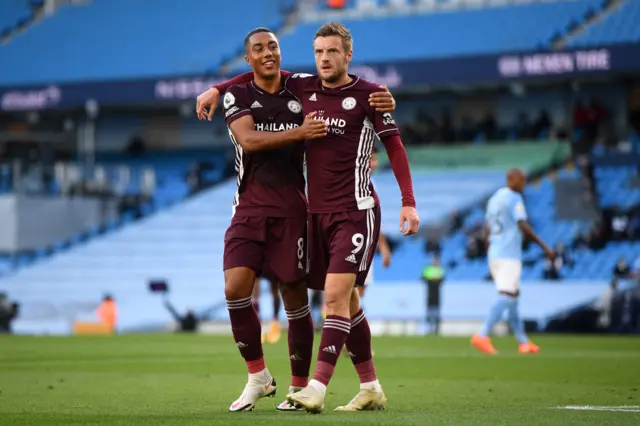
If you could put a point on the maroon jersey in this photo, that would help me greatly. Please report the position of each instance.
(338, 171)
(270, 183)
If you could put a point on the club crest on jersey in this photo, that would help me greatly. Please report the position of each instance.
(228, 100)
(387, 119)
(294, 106)
(349, 103)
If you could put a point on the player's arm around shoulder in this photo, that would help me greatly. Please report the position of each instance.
(379, 97)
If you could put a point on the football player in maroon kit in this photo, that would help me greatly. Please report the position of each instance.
(344, 211)
(267, 235)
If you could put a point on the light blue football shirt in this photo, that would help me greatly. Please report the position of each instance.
(504, 209)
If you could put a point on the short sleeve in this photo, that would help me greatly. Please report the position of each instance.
(235, 104)
(295, 82)
(383, 122)
(517, 208)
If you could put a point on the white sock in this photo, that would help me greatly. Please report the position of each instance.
(372, 386)
(320, 387)
(260, 377)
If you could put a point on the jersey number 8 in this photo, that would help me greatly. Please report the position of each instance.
(300, 248)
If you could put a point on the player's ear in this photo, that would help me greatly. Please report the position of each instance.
(246, 58)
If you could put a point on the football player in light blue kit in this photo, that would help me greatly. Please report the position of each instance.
(506, 223)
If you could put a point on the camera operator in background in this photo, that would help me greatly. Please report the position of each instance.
(8, 312)
(187, 323)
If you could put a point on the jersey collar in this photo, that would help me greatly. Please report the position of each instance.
(354, 80)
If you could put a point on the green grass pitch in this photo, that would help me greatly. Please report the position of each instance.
(192, 379)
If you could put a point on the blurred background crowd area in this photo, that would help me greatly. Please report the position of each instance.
(109, 181)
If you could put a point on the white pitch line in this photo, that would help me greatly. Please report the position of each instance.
(619, 408)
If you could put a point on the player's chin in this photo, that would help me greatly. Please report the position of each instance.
(329, 76)
(269, 70)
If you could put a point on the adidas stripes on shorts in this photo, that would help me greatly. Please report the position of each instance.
(342, 242)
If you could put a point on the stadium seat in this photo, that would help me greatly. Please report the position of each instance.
(105, 39)
(620, 26)
(487, 30)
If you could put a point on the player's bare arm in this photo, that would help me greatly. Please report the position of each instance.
(250, 140)
(206, 104)
(409, 219)
(385, 250)
(528, 232)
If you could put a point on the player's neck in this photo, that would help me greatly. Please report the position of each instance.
(273, 85)
(345, 79)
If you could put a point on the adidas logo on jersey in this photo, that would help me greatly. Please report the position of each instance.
(241, 345)
(330, 349)
(295, 357)
(351, 258)
(256, 104)
(313, 97)
(352, 355)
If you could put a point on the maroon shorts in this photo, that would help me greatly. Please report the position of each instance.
(341, 243)
(274, 247)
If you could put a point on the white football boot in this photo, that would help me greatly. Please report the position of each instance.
(308, 398)
(366, 400)
(287, 406)
(256, 388)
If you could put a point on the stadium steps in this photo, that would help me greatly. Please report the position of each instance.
(182, 245)
(609, 7)
(24, 14)
(172, 189)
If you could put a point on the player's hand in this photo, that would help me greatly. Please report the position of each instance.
(551, 255)
(386, 260)
(206, 104)
(312, 128)
(382, 101)
(409, 220)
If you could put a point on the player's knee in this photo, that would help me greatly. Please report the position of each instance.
(233, 291)
(336, 301)
(238, 285)
(338, 290)
(294, 296)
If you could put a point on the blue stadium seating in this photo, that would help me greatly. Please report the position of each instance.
(439, 193)
(105, 39)
(613, 186)
(618, 27)
(540, 199)
(170, 168)
(182, 244)
(613, 189)
(124, 39)
(435, 35)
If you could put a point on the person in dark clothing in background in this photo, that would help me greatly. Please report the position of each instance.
(621, 271)
(433, 276)
(8, 312)
(188, 323)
